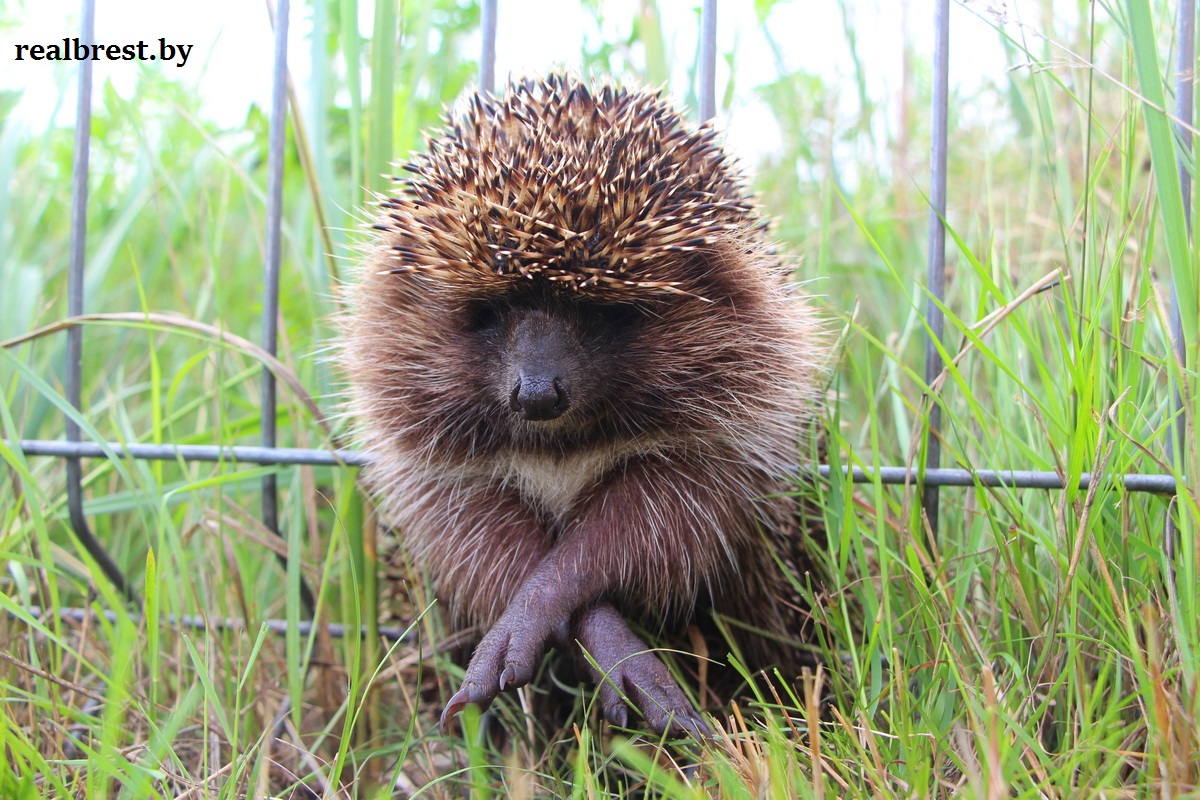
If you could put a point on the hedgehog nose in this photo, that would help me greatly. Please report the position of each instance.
(539, 396)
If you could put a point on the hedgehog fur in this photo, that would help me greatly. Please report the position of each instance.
(584, 382)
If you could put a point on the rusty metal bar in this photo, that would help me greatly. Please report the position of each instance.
(487, 55)
(74, 377)
(707, 72)
(936, 274)
(1015, 479)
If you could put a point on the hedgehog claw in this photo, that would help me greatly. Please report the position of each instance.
(504, 659)
(627, 673)
(457, 703)
(617, 713)
(646, 684)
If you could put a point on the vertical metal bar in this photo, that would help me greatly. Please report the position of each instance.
(936, 276)
(1185, 68)
(270, 318)
(707, 88)
(74, 387)
(487, 55)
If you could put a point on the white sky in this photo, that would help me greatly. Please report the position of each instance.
(230, 61)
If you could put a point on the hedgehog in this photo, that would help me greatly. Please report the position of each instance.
(585, 381)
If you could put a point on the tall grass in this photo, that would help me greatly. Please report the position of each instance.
(1043, 645)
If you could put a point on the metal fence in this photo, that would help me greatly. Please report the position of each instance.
(929, 479)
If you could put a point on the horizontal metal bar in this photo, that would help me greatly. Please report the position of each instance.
(1015, 479)
(196, 452)
(197, 622)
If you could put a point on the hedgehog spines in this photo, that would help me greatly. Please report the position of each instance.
(602, 192)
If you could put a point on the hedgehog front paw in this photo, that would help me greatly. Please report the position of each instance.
(627, 673)
(506, 657)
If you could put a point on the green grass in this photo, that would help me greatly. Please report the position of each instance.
(1043, 645)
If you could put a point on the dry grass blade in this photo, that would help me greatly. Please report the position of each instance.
(244, 345)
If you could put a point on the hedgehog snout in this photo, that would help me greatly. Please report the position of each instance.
(543, 358)
(539, 395)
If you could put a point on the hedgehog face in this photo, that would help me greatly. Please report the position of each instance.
(554, 355)
(545, 367)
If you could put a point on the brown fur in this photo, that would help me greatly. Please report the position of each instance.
(685, 425)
